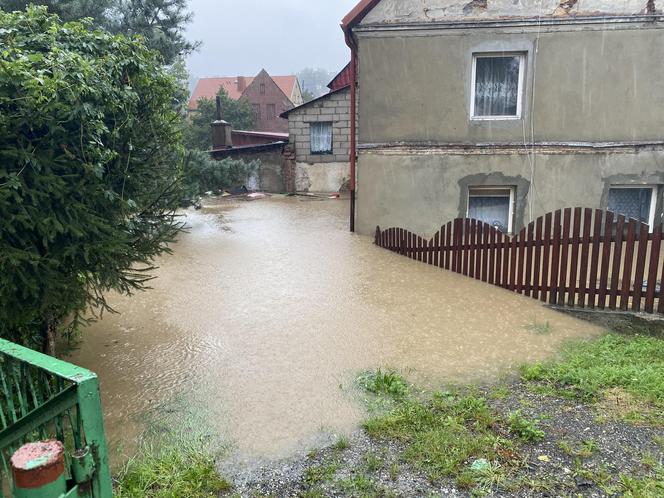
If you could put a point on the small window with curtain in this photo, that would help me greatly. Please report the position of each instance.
(492, 205)
(497, 86)
(321, 138)
(636, 202)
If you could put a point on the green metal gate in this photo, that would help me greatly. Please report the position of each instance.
(44, 398)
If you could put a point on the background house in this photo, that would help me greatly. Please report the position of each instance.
(319, 133)
(506, 112)
(269, 96)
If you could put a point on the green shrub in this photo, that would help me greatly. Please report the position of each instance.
(203, 174)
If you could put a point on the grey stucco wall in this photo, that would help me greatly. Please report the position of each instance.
(334, 108)
(422, 191)
(582, 83)
(389, 11)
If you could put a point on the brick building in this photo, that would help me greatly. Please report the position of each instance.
(269, 96)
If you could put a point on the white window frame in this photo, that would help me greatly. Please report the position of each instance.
(654, 189)
(521, 84)
(511, 188)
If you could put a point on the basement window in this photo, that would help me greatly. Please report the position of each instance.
(497, 83)
(321, 138)
(492, 205)
(638, 202)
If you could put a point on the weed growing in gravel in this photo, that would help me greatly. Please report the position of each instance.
(361, 486)
(372, 462)
(585, 449)
(524, 428)
(643, 487)
(320, 473)
(589, 368)
(342, 444)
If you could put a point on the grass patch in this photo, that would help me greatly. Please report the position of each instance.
(341, 444)
(543, 328)
(381, 382)
(171, 472)
(442, 434)
(588, 369)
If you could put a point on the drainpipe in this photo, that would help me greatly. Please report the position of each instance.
(353, 125)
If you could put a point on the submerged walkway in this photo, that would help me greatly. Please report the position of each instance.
(266, 308)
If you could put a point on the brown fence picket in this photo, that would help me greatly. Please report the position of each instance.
(574, 261)
(606, 255)
(493, 239)
(546, 263)
(585, 255)
(568, 257)
(629, 264)
(555, 259)
(535, 288)
(640, 267)
(617, 260)
(660, 306)
(564, 255)
(594, 262)
(652, 269)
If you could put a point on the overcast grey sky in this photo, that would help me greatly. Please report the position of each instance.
(240, 37)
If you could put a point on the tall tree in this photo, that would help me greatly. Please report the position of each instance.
(198, 133)
(161, 22)
(90, 163)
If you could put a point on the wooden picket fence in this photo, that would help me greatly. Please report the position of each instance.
(572, 257)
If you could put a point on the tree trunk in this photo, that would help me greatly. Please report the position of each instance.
(49, 334)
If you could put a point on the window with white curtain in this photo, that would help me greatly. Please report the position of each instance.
(497, 86)
(492, 205)
(638, 202)
(321, 138)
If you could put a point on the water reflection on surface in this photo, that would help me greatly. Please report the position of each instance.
(266, 308)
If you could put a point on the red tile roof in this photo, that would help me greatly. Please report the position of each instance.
(341, 80)
(235, 86)
(358, 13)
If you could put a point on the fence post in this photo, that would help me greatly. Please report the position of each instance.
(39, 470)
(89, 404)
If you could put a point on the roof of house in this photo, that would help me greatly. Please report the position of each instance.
(235, 87)
(341, 80)
(318, 99)
(359, 12)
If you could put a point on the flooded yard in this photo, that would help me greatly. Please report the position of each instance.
(267, 311)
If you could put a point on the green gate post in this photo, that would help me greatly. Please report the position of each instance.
(39, 470)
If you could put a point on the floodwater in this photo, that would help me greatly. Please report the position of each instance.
(266, 312)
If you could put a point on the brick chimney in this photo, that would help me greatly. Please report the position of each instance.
(241, 84)
(222, 138)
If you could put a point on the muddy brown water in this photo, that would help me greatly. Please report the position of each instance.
(266, 312)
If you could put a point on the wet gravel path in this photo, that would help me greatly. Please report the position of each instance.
(585, 453)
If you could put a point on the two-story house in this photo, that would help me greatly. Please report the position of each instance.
(269, 97)
(505, 110)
